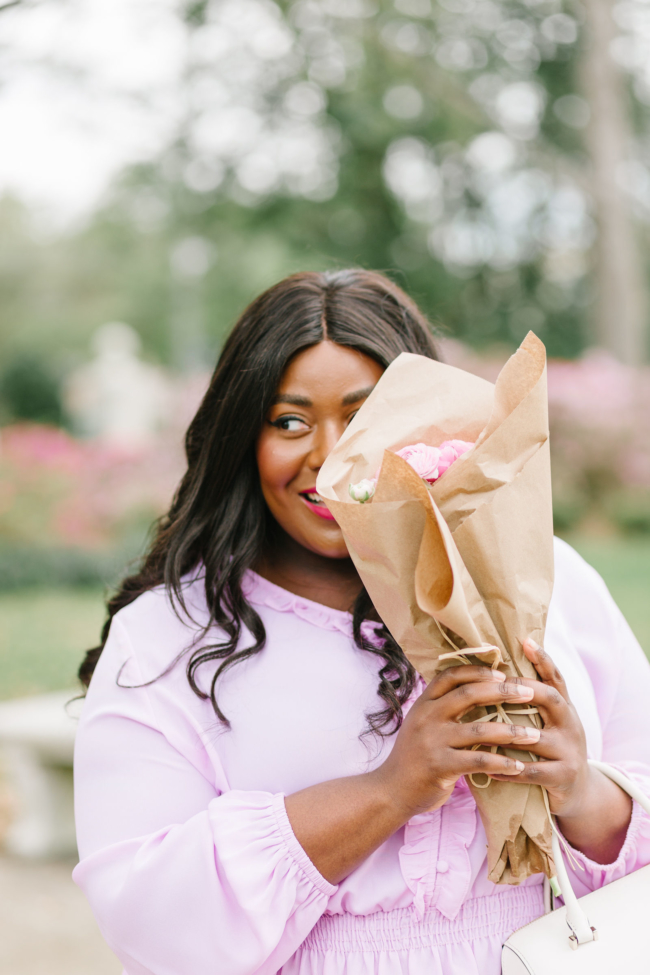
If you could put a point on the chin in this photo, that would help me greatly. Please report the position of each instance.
(320, 536)
(339, 553)
(336, 549)
(327, 541)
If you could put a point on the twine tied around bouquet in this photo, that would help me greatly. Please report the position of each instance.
(501, 716)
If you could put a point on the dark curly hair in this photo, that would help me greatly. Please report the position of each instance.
(218, 519)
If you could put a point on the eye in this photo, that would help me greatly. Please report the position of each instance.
(290, 424)
(352, 416)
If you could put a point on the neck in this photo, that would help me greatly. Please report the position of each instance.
(332, 582)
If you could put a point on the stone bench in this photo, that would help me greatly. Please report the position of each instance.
(36, 748)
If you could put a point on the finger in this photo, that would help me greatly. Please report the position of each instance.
(552, 775)
(468, 696)
(474, 763)
(550, 746)
(553, 707)
(453, 677)
(490, 733)
(545, 667)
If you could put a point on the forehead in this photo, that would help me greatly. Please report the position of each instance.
(328, 369)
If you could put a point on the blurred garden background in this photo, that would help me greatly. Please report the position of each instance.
(165, 160)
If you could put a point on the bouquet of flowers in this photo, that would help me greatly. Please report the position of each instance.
(441, 485)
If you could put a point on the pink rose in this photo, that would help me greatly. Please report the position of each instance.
(450, 451)
(429, 462)
(423, 459)
(460, 446)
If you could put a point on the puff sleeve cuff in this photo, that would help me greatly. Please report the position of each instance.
(635, 852)
(230, 888)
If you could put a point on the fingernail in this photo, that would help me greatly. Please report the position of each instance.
(520, 766)
(498, 676)
(532, 643)
(523, 691)
(531, 734)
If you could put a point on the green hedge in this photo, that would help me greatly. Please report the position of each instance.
(22, 567)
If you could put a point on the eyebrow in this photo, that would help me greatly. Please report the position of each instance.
(348, 399)
(291, 399)
(357, 395)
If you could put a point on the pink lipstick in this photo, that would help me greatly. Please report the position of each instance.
(316, 504)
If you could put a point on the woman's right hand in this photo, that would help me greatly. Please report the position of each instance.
(433, 747)
(340, 822)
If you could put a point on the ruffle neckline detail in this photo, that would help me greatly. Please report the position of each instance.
(261, 592)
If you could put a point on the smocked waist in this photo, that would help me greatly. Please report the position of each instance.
(494, 917)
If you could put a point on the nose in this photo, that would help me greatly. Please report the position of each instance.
(325, 438)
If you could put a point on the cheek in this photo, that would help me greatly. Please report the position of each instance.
(278, 463)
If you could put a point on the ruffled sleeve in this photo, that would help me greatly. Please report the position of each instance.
(587, 875)
(180, 877)
(620, 676)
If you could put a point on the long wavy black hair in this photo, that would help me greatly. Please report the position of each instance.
(218, 519)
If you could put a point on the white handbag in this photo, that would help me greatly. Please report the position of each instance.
(607, 931)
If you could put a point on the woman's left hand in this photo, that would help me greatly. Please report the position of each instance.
(593, 810)
(564, 772)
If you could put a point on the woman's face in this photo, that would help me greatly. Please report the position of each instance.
(321, 390)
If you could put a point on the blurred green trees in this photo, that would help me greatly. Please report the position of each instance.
(30, 391)
(444, 143)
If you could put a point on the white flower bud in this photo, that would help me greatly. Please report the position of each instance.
(363, 490)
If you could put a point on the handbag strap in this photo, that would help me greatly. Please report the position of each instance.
(577, 920)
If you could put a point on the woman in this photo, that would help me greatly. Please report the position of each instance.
(263, 782)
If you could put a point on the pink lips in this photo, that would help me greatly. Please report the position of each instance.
(318, 509)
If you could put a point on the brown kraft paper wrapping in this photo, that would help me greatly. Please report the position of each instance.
(468, 561)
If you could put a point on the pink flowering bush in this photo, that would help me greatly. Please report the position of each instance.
(599, 414)
(57, 491)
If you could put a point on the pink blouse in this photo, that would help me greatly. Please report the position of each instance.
(188, 858)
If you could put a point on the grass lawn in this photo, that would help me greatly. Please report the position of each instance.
(43, 632)
(624, 564)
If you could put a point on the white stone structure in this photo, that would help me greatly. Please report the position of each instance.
(36, 747)
(118, 397)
